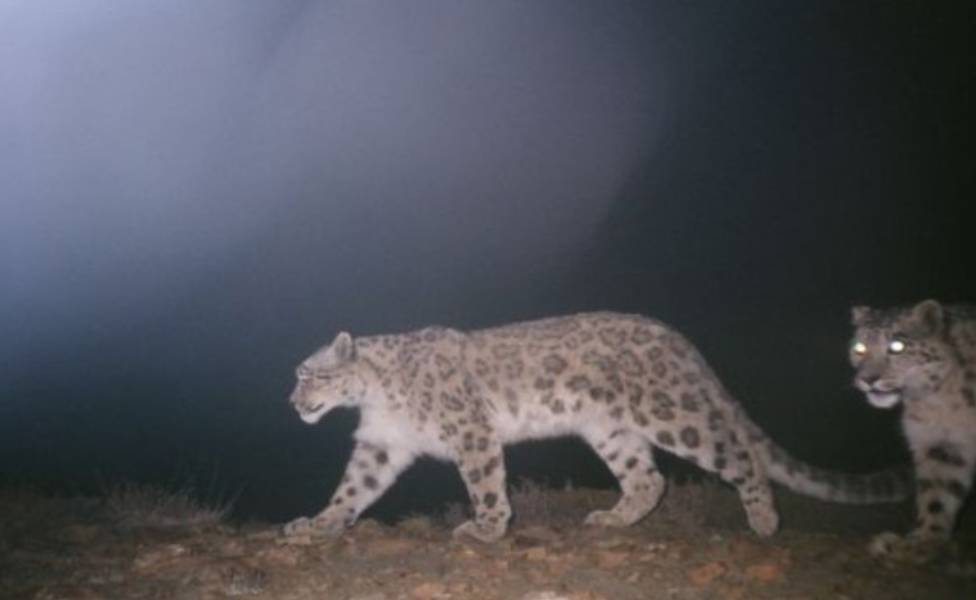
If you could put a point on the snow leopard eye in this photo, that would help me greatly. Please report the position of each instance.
(859, 348)
(896, 346)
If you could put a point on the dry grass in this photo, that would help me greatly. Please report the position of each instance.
(454, 514)
(535, 504)
(22, 507)
(532, 504)
(147, 505)
(687, 505)
(693, 505)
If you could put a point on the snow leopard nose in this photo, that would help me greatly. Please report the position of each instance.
(868, 381)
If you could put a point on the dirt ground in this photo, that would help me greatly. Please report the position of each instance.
(694, 546)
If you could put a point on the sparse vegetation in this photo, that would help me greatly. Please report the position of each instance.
(694, 545)
(690, 504)
(148, 505)
(532, 502)
(693, 504)
(454, 514)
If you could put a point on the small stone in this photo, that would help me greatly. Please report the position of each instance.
(544, 595)
(706, 574)
(467, 552)
(430, 590)
(535, 534)
(295, 540)
(766, 572)
(264, 535)
(280, 555)
(154, 557)
(389, 547)
(609, 559)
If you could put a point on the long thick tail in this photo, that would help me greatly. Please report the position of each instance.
(889, 485)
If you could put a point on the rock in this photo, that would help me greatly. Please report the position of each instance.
(610, 559)
(430, 590)
(262, 535)
(706, 573)
(389, 547)
(655, 547)
(766, 572)
(499, 565)
(536, 534)
(295, 540)
(279, 555)
(467, 553)
(545, 595)
(613, 542)
(156, 557)
(416, 525)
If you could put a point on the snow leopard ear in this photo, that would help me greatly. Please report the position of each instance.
(928, 316)
(343, 347)
(860, 315)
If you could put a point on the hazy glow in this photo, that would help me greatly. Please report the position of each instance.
(146, 145)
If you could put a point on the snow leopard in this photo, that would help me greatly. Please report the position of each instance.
(922, 358)
(625, 384)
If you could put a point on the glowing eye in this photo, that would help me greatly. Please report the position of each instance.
(859, 348)
(896, 346)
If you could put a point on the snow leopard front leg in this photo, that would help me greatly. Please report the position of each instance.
(943, 476)
(372, 469)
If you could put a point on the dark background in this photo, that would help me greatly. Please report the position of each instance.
(194, 196)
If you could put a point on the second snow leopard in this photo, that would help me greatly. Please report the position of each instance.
(623, 383)
(924, 359)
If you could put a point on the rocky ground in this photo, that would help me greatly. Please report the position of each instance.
(139, 543)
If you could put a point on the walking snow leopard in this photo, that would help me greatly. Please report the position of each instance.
(924, 359)
(624, 383)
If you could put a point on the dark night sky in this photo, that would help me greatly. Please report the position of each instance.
(193, 196)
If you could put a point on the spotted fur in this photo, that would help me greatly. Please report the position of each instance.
(923, 358)
(623, 383)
